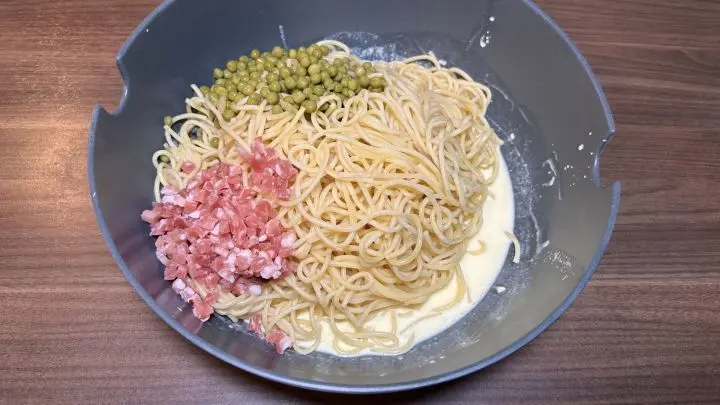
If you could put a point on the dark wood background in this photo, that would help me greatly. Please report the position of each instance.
(645, 330)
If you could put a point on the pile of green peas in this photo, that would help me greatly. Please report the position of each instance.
(289, 79)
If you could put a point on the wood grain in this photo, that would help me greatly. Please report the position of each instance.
(645, 330)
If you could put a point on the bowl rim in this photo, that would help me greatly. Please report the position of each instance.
(345, 388)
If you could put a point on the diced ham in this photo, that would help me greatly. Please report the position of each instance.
(174, 199)
(202, 310)
(187, 293)
(187, 166)
(150, 216)
(161, 256)
(279, 339)
(178, 285)
(254, 289)
(275, 337)
(255, 325)
(211, 280)
(220, 234)
(168, 190)
(270, 271)
(288, 239)
(175, 271)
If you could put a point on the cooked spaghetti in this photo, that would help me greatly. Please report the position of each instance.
(389, 192)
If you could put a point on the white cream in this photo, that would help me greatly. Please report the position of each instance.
(479, 271)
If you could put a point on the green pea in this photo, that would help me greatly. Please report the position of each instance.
(254, 99)
(315, 78)
(346, 92)
(304, 61)
(323, 64)
(300, 71)
(204, 90)
(275, 86)
(244, 75)
(234, 95)
(272, 98)
(228, 114)
(255, 53)
(325, 75)
(215, 142)
(352, 84)
(313, 69)
(247, 89)
(271, 60)
(368, 66)
(343, 69)
(241, 66)
(230, 86)
(220, 82)
(244, 59)
(376, 82)
(255, 75)
(272, 77)
(314, 97)
(344, 81)
(376, 90)
(232, 65)
(302, 49)
(164, 159)
(332, 71)
(303, 83)
(363, 81)
(167, 120)
(220, 90)
(214, 98)
(325, 50)
(217, 73)
(328, 83)
(235, 79)
(290, 83)
(318, 90)
(277, 51)
(285, 72)
(227, 74)
(260, 67)
(309, 105)
(314, 60)
(264, 92)
(292, 53)
(307, 92)
(338, 88)
(298, 97)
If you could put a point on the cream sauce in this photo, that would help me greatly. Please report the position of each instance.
(479, 271)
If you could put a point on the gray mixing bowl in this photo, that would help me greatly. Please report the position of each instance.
(548, 108)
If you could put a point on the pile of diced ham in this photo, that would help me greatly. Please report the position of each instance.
(224, 234)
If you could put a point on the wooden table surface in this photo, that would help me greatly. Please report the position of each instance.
(645, 330)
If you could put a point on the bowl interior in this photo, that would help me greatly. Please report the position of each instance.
(547, 108)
